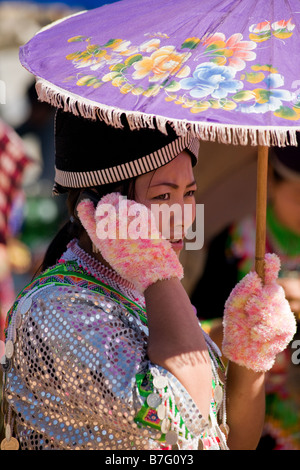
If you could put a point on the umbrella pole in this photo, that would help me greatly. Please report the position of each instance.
(261, 208)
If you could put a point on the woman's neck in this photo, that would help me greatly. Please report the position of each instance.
(96, 266)
(85, 243)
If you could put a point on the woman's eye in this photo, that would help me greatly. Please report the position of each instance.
(191, 193)
(163, 197)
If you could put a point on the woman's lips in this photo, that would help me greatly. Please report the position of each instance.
(177, 244)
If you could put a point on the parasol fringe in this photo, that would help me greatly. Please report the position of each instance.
(253, 137)
(225, 134)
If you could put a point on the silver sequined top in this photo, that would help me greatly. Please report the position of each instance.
(80, 378)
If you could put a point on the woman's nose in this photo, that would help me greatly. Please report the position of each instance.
(181, 219)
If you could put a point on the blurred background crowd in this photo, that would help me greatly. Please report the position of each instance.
(226, 176)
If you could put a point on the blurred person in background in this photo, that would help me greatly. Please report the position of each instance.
(231, 255)
(43, 213)
(14, 257)
(40, 123)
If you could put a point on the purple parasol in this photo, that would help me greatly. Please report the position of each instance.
(214, 65)
(224, 70)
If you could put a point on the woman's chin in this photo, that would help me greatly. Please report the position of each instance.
(177, 246)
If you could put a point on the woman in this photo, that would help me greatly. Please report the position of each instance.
(106, 349)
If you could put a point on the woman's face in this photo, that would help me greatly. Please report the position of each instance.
(286, 203)
(170, 185)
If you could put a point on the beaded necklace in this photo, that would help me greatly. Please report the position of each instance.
(102, 273)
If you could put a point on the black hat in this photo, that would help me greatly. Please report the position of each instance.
(91, 153)
(286, 161)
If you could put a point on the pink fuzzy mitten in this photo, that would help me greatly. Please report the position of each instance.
(142, 258)
(258, 322)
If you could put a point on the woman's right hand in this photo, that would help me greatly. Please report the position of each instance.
(141, 259)
(258, 322)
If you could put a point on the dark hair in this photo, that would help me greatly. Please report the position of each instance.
(73, 228)
(278, 178)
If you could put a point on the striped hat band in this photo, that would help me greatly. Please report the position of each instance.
(90, 153)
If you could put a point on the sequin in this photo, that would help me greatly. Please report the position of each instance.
(12, 444)
(160, 382)
(9, 349)
(18, 319)
(161, 411)
(171, 438)
(25, 306)
(153, 400)
(165, 425)
(218, 394)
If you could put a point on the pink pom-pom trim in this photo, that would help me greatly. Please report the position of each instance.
(142, 261)
(258, 322)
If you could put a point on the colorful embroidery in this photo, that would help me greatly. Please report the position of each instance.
(148, 417)
(70, 274)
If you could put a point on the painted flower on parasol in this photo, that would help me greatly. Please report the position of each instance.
(233, 51)
(214, 80)
(263, 31)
